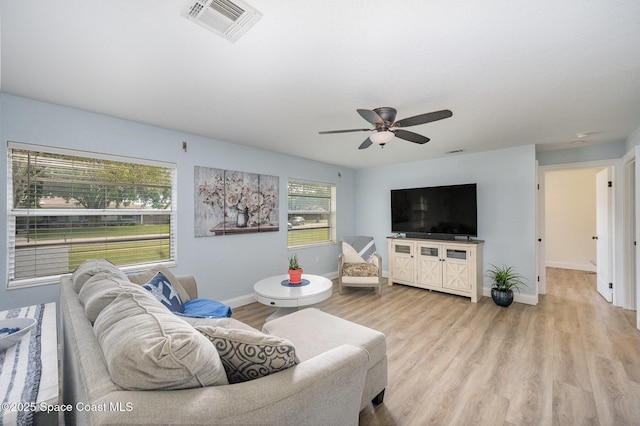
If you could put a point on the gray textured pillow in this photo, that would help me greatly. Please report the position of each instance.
(102, 289)
(248, 355)
(149, 348)
(91, 267)
(145, 276)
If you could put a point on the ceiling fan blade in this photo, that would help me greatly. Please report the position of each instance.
(366, 144)
(423, 118)
(371, 116)
(326, 132)
(410, 136)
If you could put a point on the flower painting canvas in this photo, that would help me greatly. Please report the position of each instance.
(233, 202)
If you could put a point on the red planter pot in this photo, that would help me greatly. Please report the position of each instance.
(295, 276)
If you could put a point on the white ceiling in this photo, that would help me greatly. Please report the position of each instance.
(513, 72)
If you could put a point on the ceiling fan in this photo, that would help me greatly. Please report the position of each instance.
(387, 128)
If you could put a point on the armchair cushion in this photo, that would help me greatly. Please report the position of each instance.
(360, 270)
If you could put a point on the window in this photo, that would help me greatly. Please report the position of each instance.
(312, 218)
(68, 206)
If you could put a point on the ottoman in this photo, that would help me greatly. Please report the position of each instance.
(313, 332)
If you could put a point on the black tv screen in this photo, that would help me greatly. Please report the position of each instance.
(435, 211)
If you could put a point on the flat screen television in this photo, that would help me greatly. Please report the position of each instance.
(435, 212)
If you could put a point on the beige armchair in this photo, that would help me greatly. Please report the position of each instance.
(359, 265)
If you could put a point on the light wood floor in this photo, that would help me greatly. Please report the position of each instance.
(571, 360)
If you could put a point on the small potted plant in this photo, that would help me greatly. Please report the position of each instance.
(295, 271)
(503, 280)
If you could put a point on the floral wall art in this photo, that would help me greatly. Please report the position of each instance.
(232, 202)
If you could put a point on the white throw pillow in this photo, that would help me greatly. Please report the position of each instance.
(149, 348)
(350, 255)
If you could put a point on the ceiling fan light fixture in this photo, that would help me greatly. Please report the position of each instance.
(383, 120)
(382, 138)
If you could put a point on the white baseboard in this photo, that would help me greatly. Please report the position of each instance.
(236, 302)
(331, 275)
(567, 265)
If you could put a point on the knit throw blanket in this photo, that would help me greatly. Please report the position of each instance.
(365, 246)
(20, 370)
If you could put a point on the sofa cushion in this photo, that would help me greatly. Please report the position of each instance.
(248, 355)
(314, 332)
(219, 322)
(91, 267)
(145, 276)
(146, 347)
(166, 294)
(102, 289)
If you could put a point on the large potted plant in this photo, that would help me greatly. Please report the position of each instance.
(295, 271)
(504, 279)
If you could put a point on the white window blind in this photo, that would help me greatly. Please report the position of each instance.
(68, 206)
(311, 215)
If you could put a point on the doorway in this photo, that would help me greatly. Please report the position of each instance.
(624, 232)
(568, 237)
(572, 218)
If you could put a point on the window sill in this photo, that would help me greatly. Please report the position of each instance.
(311, 245)
(55, 279)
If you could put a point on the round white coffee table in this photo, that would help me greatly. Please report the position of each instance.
(276, 291)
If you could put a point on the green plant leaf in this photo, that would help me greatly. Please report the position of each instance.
(505, 278)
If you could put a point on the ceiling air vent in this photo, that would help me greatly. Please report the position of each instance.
(230, 20)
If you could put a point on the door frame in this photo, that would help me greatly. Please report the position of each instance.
(636, 278)
(631, 214)
(616, 217)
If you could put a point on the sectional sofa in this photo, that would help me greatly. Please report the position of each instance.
(127, 359)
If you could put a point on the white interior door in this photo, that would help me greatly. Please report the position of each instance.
(602, 235)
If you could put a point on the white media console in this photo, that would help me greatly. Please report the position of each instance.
(449, 266)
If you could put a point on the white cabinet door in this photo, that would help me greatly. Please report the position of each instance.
(403, 262)
(456, 269)
(430, 264)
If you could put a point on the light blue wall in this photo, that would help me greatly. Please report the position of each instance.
(633, 140)
(506, 182)
(225, 267)
(608, 151)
